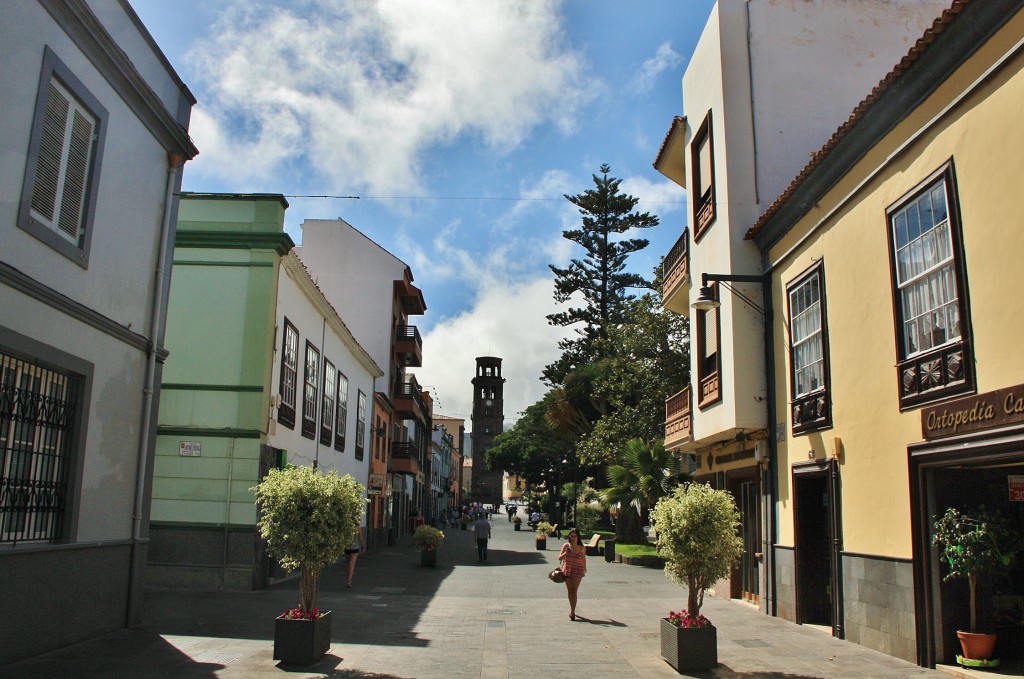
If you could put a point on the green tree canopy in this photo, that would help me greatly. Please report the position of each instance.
(308, 518)
(531, 446)
(599, 277)
(698, 538)
(647, 474)
(647, 360)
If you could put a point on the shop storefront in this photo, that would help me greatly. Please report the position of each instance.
(971, 454)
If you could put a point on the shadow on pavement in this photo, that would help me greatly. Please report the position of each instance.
(602, 623)
(119, 654)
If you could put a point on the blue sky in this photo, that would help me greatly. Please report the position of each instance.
(459, 124)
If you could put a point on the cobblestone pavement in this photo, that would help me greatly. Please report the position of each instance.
(499, 619)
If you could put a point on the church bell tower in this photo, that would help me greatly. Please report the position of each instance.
(488, 420)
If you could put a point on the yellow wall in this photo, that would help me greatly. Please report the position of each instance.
(984, 137)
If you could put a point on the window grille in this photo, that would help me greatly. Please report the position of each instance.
(37, 418)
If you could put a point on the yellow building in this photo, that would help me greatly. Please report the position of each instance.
(895, 372)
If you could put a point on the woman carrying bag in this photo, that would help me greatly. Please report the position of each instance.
(574, 566)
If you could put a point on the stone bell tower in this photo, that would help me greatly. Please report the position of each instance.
(488, 421)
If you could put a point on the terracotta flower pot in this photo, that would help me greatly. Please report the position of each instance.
(977, 646)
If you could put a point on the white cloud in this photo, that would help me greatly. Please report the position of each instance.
(362, 90)
(508, 321)
(664, 59)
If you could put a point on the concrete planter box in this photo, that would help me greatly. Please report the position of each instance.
(689, 648)
(302, 642)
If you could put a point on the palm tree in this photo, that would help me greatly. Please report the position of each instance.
(645, 476)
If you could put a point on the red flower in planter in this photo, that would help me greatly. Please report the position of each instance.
(299, 614)
(683, 619)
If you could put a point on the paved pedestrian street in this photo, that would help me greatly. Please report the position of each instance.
(495, 620)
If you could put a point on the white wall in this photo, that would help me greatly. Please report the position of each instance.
(356, 275)
(780, 77)
(297, 304)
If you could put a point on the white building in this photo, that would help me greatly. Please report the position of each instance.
(373, 290)
(92, 139)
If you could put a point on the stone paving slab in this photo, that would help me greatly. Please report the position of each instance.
(501, 619)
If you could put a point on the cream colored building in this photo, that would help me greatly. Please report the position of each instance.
(769, 81)
(892, 263)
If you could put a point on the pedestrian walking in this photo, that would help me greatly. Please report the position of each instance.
(352, 553)
(482, 533)
(574, 565)
(510, 510)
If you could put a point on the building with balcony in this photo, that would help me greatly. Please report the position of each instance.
(744, 132)
(374, 291)
(263, 371)
(898, 387)
(456, 426)
(93, 138)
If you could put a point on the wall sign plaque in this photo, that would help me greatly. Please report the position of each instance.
(974, 413)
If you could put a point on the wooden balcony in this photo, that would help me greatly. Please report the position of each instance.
(678, 419)
(405, 458)
(408, 346)
(408, 402)
(410, 297)
(676, 293)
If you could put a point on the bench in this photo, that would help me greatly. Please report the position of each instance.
(592, 548)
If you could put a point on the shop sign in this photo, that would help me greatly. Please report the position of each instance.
(974, 413)
(1016, 484)
(376, 486)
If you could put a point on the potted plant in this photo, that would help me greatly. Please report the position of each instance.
(698, 538)
(307, 518)
(542, 531)
(464, 521)
(429, 539)
(517, 522)
(975, 543)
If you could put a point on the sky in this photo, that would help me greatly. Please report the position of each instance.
(450, 132)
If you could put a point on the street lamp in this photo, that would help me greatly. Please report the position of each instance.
(707, 297)
(575, 488)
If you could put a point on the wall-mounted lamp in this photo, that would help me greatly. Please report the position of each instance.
(707, 297)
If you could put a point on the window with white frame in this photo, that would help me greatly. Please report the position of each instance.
(808, 351)
(63, 162)
(360, 424)
(342, 416)
(288, 385)
(327, 418)
(310, 394)
(931, 308)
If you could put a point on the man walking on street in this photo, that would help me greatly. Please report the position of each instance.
(482, 533)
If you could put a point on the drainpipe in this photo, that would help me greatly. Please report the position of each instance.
(174, 162)
(770, 482)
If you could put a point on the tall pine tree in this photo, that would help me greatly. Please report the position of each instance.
(600, 276)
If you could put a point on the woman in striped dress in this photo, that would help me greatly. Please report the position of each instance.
(574, 565)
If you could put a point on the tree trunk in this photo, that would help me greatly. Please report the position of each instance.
(972, 585)
(309, 587)
(693, 600)
(628, 529)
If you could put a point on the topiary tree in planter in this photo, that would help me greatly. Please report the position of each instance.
(697, 536)
(308, 518)
(975, 543)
